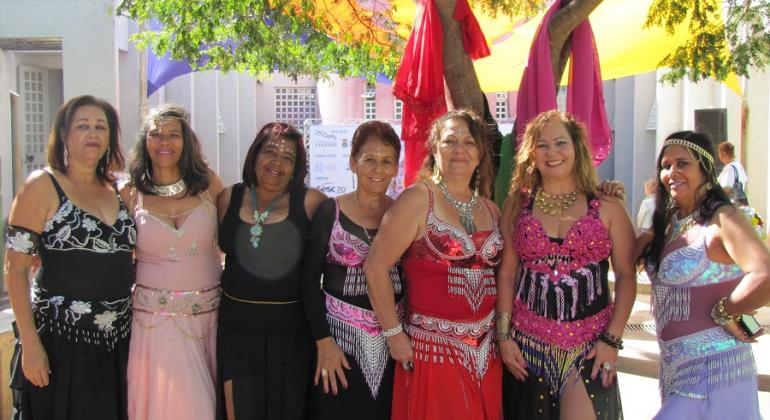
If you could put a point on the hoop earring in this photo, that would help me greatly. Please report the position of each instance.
(65, 155)
(709, 186)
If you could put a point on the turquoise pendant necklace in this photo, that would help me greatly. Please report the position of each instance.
(260, 217)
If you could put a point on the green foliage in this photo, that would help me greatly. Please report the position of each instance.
(291, 36)
(725, 36)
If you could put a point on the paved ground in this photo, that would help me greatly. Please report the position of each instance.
(638, 363)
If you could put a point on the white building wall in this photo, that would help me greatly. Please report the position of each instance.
(756, 153)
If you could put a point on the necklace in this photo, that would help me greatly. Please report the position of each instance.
(465, 209)
(169, 190)
(680, 226)
(260, 217)
(366, 231)
(554, 204)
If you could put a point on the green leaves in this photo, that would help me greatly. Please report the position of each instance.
(725, 36)
(293, 37)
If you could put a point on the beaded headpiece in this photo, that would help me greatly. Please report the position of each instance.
(161, 119)
(700, 152)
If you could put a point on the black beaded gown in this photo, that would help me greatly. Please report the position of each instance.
(81, 304)
(263, 340)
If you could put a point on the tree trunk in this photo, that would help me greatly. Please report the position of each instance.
(560, 28)
(462, 84)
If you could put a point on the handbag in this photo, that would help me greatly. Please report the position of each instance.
(737, 195)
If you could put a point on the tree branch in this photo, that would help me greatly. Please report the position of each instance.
(560, 28)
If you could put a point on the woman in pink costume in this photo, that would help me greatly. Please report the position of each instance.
(171, 364)
(707, 267)
(447, 365)
(558, 329)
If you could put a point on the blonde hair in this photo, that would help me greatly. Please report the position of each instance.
(526, 176)
(478, 130)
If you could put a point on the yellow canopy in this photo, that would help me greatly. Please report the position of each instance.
(625, 47)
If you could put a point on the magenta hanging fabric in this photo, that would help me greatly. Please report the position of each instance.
(585, 94)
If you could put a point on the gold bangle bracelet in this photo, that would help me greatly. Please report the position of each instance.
(259, 302)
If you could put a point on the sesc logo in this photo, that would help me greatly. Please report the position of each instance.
(330, 188)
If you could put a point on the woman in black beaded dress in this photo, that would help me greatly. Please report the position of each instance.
(354, 373)
(263, 342)
(74, 332)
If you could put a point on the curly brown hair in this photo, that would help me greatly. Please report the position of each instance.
(526, 177)
(479, 131)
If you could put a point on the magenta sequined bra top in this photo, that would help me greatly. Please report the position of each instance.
(350, 251)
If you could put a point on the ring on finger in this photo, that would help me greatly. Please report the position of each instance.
(606, 366)
(324, 373)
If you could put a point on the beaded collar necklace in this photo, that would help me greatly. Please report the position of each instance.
(260, 217)
(465, 209)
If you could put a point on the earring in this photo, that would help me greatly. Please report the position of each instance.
(436, 177)
(66, 155)
(107, 157)
(709, 186)
(477, 182)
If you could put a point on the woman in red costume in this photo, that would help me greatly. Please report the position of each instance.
(559, 237)
(447, 231)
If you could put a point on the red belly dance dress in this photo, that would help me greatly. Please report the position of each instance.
(451, 297)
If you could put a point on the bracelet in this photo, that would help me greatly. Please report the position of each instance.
(611, 340)
(719, 314)
(503, 323)
(502, 336)
(390, 332)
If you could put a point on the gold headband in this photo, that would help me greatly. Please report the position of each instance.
(692, 146)
(159, 120)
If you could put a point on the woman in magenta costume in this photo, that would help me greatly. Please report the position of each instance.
(178, 267)
(561, 353)
(707, 266)
(447, 366)
(354, 373)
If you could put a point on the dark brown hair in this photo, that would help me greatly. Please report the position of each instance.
(112, 161)
(270, 131)
(478, 130)
(191, 164)
(378, 129)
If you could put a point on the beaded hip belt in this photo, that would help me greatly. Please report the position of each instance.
(358, 333)
(176, 303)
(465, 343)
(101, 323)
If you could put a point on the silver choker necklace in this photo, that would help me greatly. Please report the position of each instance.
(169, 190)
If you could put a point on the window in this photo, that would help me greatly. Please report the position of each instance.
(398, 109)
(294, 105)
(33, 87)
(370, 107)
(501, 105)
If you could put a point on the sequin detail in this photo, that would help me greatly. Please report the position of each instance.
(565, 335)
(357, 332)
(712, 354)
(355, 281)
(671, 304)
(468, 344)
(690, 265)
(171, 303)
(474, 284)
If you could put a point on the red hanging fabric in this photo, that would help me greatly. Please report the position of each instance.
(419, 82)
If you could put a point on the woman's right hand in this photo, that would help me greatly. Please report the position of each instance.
(513, 359)
(401, 350)
(329, 366)
(34, 363)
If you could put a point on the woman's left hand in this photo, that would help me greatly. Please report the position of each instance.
(614, 189)
(603, 356)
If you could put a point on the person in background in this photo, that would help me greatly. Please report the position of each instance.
(731, 173)
(354, 373)
(646, 207)
(74, 333)
(263, 340)
(178, 268)
(707, 268)
(445, 232)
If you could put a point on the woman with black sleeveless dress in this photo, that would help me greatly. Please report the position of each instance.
(74, 332)
(263, 343)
